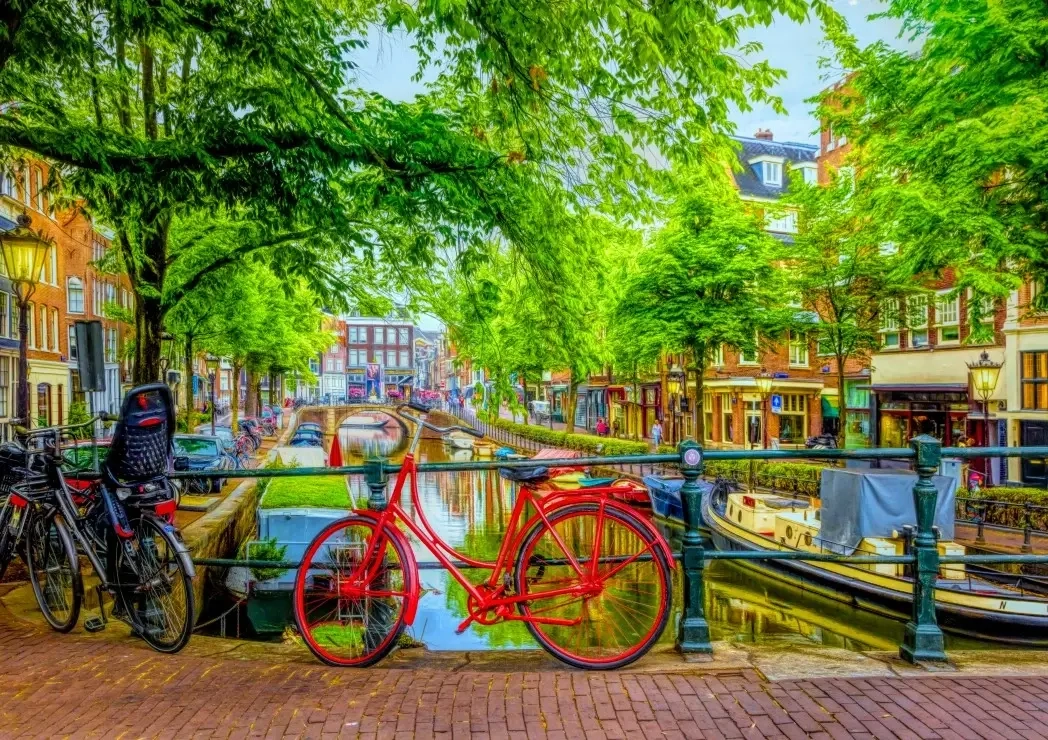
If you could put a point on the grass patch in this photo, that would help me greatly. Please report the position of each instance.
(314, 491)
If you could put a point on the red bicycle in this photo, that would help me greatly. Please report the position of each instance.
(587, 574)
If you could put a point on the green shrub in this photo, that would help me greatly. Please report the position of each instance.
(588, 443)
(78, 415)
(1006, 516)
(264, 550)
(312, 491)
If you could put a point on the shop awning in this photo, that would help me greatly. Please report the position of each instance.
(829, 408)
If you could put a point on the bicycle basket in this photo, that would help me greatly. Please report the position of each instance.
(141, 446)
(13, 463)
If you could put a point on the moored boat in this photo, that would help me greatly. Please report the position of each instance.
(458, 441)
(361, 421)
(865, 514)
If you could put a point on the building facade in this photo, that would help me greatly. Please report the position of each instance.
(1022, 408)
(385, 344)
(333, 362)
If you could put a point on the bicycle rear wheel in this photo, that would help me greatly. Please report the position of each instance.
(352, 592)
(7, 538)
(54, 571)
(615, 614)
(154, 586)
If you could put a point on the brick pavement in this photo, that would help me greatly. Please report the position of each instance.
(55, 685)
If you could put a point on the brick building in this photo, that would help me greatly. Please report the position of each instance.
(388, 343)
(1022, 410)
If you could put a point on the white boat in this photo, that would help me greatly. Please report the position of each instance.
(458, 441)
(364, 422)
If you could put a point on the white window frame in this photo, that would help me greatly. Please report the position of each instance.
(79, 285)
(403, 359)
(890, 324)
(804, 357)
(784, 224)
(53, 252)
(54, 331)
(768, 168)
(717, 358)
(43, 328)
(39, 189)
(947, 316)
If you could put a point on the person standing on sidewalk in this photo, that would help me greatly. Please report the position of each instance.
(656, 433)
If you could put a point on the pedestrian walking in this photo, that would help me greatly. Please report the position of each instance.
(602, 427)
(656, 433)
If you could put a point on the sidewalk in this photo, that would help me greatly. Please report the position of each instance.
(59, 685)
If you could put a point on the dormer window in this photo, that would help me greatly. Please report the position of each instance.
(808, 170)
(772, 172)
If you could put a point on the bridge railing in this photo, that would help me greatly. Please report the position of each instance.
(922, 638)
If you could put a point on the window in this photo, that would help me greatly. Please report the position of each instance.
(338, 365)
(1035, 380)
(890, 324)
(26, 194)
(811, 175)
(402, 336)
(727, 430)
(793, 418)
(717, 356)
(5, 384)
(53, 254)
(43, 404)
(947, 316)
(824, 348)
(329, 365)
(43, 326)
(707, 416)
(72, 343)
(32, 326)
(96, 298)
(358, 335)
(786, 223)
(98, 249)
(110, 293)
(917, 318)
(333, 350)
(54, 330)
(378, 355)
(404, 359)
(223, 382)
(391, 358)
(5, 308)
(749, 356)
(7, 187)
(38, 195)
(75, 295)
(772, 172)
(798, 351)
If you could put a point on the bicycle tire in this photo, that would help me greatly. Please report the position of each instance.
(608, 606)
(144, 611)
(7, 539)
(352, 612)
(45, 532)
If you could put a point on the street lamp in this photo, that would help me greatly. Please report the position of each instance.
(212, 363)
(985, 374)
(24, 252)
(674, 380)
(763, 381)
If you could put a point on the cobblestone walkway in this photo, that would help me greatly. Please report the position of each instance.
(54, 685)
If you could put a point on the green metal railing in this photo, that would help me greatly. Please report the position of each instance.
(922, 639)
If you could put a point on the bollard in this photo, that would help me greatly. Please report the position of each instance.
(376, 478)
(1027, 527)
(922, 639)
(694, 633)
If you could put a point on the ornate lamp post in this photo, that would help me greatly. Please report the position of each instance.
(763, 381)
(24, 252)
(674, 379)
(985, 373)
(212, 372)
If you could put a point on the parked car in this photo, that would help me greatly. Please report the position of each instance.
(308, 426)
(229, 442)
(202, 452)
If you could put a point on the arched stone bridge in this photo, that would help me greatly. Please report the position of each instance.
(330, 418)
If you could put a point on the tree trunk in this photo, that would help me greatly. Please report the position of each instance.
(569, 411)
(234, 397)
(841, 405)
(188, 380)
(251, 406)
(700, 403)
(149, 308)
(272, 387)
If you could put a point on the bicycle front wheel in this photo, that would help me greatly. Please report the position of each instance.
(597, 619)
(54, 571)
(352, 592)
(154, 586)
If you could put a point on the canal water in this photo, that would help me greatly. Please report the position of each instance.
(470, 511)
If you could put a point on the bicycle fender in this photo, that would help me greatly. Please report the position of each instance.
(410, 566)
(180, 547)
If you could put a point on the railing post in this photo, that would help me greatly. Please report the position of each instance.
(376, 478)
(694, 633)
(1027, 527)
(922, 639)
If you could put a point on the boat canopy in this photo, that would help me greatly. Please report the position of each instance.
(876, 503)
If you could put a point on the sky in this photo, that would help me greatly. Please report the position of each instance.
(387, 64)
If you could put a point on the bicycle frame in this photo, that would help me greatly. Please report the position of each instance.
(490, 595)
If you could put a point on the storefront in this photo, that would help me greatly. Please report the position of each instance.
(735, 414)
(48, 392)
(901, 412)
(858, 428)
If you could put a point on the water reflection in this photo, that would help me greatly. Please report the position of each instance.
(470, 511)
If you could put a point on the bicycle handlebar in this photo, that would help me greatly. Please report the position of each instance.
(28, 433)
(440, 430)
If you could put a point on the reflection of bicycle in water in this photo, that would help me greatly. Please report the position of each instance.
(588, 575)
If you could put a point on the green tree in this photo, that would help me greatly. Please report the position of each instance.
(243, 123)
(949, 141)
(708, 279)
(839, 273)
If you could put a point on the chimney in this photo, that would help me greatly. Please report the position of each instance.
(764, 134)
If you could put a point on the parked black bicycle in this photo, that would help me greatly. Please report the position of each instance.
(120, 519)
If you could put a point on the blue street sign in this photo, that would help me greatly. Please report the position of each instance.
(776, 404)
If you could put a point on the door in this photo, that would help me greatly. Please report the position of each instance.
(1034, 434)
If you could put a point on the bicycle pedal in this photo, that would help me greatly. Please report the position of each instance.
(94, 624)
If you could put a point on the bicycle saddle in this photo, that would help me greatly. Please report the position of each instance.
(537, 474)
